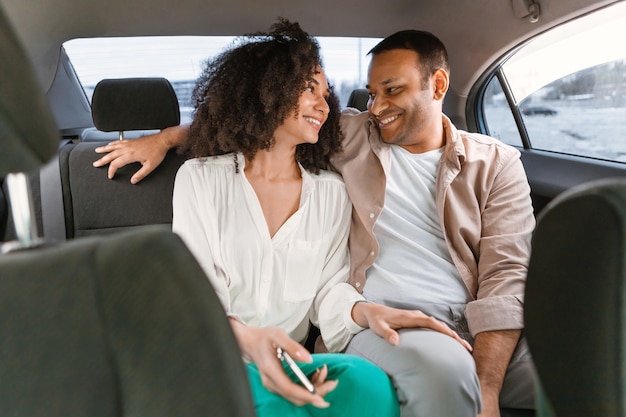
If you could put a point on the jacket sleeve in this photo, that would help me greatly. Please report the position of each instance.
(507, 225)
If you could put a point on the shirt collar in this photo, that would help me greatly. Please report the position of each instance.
(308, 185)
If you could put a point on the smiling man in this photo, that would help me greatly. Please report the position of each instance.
(441, 228)
(442, 223)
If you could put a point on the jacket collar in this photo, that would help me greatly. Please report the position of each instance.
(454, 152)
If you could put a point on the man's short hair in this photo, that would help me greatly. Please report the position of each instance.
(431, 51)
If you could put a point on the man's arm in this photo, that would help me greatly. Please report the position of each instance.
(492, 353)
(507, 225)
(149, 151)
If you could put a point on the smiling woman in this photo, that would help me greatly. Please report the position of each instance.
(269, 222)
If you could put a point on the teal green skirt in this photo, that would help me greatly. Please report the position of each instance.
(364, 390)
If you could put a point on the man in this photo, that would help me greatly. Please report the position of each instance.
(441, 226)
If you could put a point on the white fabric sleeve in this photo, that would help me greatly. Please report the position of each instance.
(333, 302)
(196, 224)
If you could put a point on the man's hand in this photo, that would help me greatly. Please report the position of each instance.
(384, 321)
(149, 151)
(259, 346)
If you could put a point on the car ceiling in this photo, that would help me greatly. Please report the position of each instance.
(476, 32)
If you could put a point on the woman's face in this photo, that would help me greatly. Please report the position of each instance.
(304, 125)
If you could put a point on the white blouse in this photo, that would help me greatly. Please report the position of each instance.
(299, 274)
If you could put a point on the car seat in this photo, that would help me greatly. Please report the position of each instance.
(575, 302)
(124, 325)
(91, 203)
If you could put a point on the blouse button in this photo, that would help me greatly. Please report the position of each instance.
(358, 284)
(371, 215)
(372, 253)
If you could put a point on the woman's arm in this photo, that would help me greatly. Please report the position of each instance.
(195, 221)
(335, 298)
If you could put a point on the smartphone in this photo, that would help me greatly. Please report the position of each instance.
(284, 357)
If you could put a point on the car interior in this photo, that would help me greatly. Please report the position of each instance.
(63, 221)
(119, 105)
(96, 326)
(570, 323)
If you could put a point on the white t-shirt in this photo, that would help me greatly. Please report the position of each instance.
(282, 280)
(414, 266)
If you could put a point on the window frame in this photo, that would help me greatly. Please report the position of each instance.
(475, 105)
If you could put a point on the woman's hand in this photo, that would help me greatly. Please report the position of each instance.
(259, 346)
(384, 321)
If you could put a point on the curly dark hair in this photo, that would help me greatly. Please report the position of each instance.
(249, 90)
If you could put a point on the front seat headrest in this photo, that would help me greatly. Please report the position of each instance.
(134, 104)
(28, 133)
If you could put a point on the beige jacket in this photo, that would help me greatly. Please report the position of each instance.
(483, 200)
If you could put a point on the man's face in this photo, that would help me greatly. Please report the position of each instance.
(401, 98)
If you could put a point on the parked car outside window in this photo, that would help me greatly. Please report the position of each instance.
(564, 91)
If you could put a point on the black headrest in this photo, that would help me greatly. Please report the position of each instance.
(134, 104)
(358, 99)
(28, 133)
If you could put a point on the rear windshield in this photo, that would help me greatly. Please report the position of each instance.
(180, 60)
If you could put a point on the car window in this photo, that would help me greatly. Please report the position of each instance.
(180, 60)
(498, 114)
(564, 91)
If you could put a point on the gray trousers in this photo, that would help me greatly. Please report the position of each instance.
(435, 376)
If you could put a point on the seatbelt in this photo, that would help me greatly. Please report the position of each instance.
(52, 209)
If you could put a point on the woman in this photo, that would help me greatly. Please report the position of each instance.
(270, 225)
